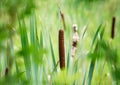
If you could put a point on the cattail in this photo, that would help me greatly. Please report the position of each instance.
(61, 49)
(75, 28)
(63, 20)
(6, 71)
(113, 28)
(75, 39)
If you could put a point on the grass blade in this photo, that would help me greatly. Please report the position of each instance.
(13, 54)
(32, 33)
(25, 44)
(68, 58)
(83, 83)
(52, 52)
(35, 44)
(85, 29)
(92, 65)
(41, 39)
(96, 34)
(75, 69)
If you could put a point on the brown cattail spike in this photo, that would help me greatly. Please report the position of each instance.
(113, 28)
(61, 49)
(6, 71)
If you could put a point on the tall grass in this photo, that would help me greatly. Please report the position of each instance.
(45, 58)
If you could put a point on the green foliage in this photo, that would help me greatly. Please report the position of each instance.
(9, 10)
(94, 55)
(31, 52)
(63, 77)
(25, 45)
(52, 53)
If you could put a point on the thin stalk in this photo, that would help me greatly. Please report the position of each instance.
(92, 66)
(63, 20)
(101, 72)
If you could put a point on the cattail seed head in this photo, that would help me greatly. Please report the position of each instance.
(75, 39)
(75, 28)
(61, 49)
(74, 44)
(113, 28)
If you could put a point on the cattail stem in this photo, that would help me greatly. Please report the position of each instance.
(63, 20)
(113, 28)
(61, 49)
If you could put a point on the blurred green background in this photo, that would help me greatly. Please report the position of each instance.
(29, 39)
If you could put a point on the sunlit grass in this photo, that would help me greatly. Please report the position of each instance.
(34, 51)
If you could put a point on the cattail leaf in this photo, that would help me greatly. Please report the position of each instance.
(32, 32)
(24, 43)
(95, 36)
(102, 32)
(34, 41)
(41, 39)
(45, 80)
(93, 56)
(92, 65)
(68, 58)
(104, 45)
(64, 78)
(85, 29)
(91, 69)
(52, 52)
(75, 70)
(83, 83)
(41, 73)
(36, 30)
(13, 54)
